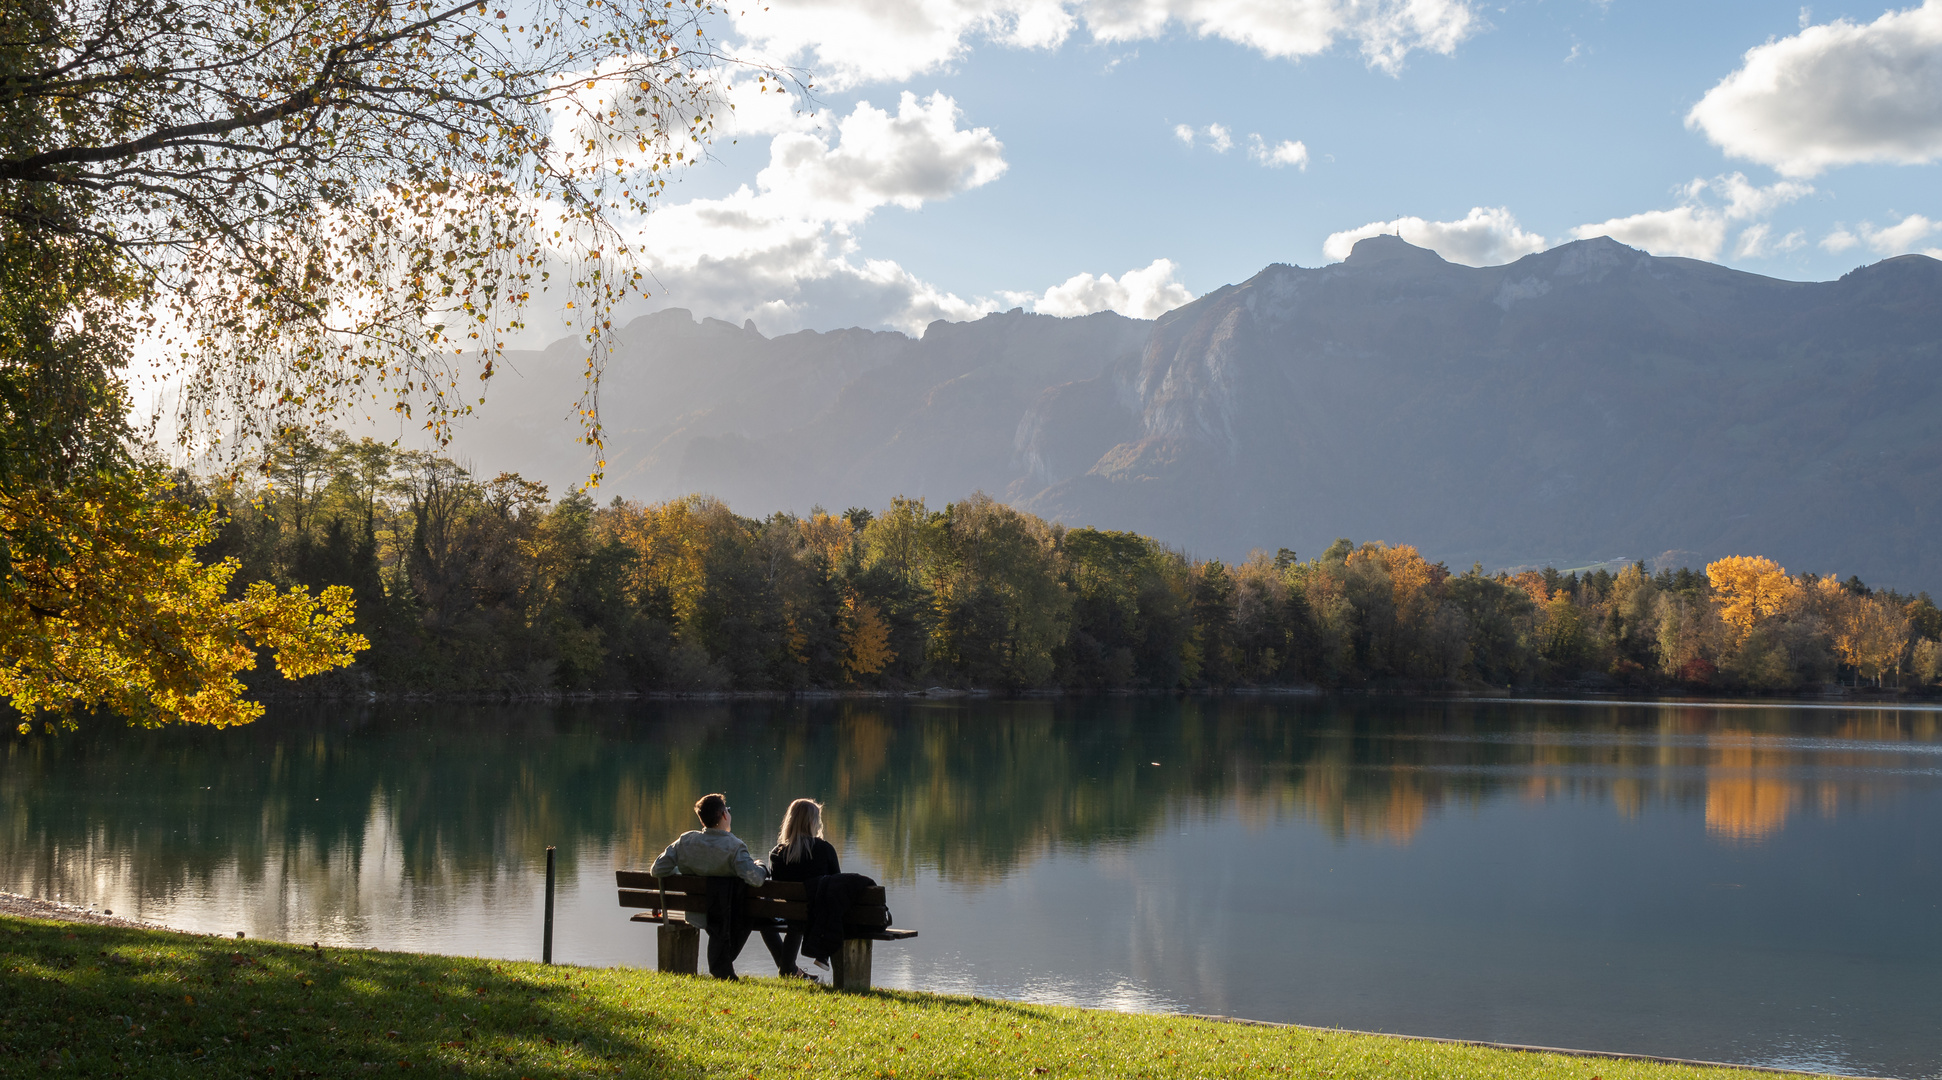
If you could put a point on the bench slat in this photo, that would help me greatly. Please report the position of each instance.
(690, 884)
(861, 913)
(866, 914)
(891, 933)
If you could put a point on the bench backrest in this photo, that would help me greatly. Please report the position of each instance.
(772, 899)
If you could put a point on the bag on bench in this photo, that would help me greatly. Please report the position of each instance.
(830, 902)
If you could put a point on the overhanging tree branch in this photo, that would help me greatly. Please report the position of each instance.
(331, 199)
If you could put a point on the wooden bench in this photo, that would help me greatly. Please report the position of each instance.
(679, 945)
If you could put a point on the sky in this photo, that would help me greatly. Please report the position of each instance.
(954, 157)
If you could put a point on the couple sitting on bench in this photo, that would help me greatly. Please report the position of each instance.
(801, 854)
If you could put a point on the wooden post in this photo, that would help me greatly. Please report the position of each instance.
(850, 967)
(680, 948)
(546, 942)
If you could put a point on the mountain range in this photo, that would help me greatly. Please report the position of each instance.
(1584, 405)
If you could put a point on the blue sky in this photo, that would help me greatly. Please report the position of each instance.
(959, 156)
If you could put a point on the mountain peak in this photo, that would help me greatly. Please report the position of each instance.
(1389, 248)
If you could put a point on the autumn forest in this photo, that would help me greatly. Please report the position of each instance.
(476, 585)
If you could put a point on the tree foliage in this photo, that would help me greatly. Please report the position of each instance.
(320, 200)
(1749, 588)
(299, 206)
(105, 605)
(493, 587)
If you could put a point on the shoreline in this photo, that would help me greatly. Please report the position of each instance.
(1805, 697)
(34, 907)
(17, 905)
(1524, 1048)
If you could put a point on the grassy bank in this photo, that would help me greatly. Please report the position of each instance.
(107, 1001)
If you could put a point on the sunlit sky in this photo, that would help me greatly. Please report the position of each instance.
(961, 156)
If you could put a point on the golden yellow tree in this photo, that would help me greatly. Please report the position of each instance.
(1749, 588)
(1928, 660)
(866, 638)
(104, 605)
(671, 541)
(1871, 637)
(827, 535)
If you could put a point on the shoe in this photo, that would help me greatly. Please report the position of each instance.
(799, 973)
(824, 964)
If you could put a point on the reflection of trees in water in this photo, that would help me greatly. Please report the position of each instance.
(318, 803)
(1743, 800)
(1751, 767)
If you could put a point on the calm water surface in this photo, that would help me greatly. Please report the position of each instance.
(1752, 884)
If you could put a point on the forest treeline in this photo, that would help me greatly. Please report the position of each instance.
(490, 585)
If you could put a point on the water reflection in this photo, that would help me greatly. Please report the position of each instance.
(325, 802)
(1452, 868)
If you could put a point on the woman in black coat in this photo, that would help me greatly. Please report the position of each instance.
(801, 854)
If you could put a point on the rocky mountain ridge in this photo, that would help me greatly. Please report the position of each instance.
(1587, 403)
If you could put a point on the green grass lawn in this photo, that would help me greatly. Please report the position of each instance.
(101, 1002)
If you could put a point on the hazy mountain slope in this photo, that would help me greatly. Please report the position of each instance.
(670, 380)
(1587, 403)
(841, 418)
(1584, 403)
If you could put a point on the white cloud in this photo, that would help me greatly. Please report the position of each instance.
(1745, 199)
(1752, 241)
(848, 42)
(1697, 228)
(1693, 232)
(765, 107)
(783, 252)
(1757, 241)
(1840, 240)
(1220, 139)
(1486, 236)
(1285, 152)
(1141, 294)
(783, 249)
(918, 155)
(1901, 237)
(1898, 239)
(1387, 31)
(1837, 94)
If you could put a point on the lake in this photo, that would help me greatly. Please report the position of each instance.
(1748, 883)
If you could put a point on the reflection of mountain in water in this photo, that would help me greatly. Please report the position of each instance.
(344, 816)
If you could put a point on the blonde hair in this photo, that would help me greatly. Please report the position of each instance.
(802, 823)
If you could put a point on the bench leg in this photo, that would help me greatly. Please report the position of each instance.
(680, 948)
(850, 967)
